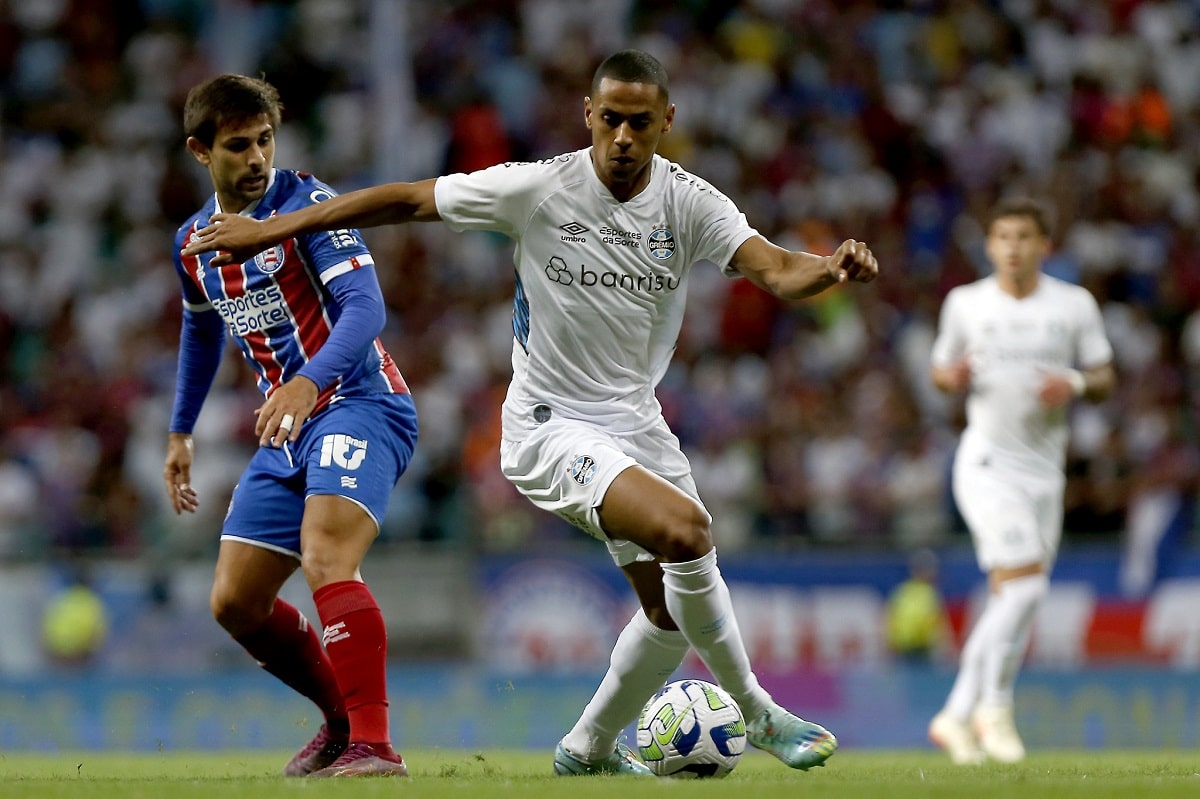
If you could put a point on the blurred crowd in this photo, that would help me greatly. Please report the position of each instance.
(808, 424)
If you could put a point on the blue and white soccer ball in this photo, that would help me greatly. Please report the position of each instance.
(691, 728)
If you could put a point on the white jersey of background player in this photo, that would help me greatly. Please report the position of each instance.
(1023, 344)
(604, 240)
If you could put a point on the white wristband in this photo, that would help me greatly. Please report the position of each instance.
(1077, 381)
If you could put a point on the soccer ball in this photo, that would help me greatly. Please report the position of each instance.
(691, 728)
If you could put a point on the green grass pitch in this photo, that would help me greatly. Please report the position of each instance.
(863, 774)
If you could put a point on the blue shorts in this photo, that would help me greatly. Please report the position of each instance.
(356, 449)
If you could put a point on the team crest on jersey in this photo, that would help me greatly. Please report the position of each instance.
(661, 243)
(582, 469)
(268, 261)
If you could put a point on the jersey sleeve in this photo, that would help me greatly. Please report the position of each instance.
(950, 343)
(194, 299)
(331, 252)
(361, 320)
(1094, 347)
(201, 345)
(499, 198)
(717, 227)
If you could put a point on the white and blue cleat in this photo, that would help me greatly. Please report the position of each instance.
(798, 743)
(621, 762)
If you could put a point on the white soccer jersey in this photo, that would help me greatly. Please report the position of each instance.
(601, 284)
(1011, 344)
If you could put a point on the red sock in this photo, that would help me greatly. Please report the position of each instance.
(287, 646)
(356, 640)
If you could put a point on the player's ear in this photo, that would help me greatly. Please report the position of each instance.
(587, 112)
(668, 118)
(199, 150)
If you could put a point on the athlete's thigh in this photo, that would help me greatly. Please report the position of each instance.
(568, 468)
(250, 575)
(1005, 513)
(358, 449)
(335, 536)
(646, 509)
(565, 467)
(268, 502)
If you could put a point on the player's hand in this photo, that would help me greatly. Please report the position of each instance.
(1055, 390)
(233, 237)
(955, 377)
(178, 473)
(961, 373)
(280, 417)
(853, 260)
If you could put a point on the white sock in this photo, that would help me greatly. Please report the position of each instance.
(965, 692)
(1014, 603)
(698, 601)
(992, 654)
(642, 660)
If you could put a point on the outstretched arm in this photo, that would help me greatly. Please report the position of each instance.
(238, 238)
(795, 275)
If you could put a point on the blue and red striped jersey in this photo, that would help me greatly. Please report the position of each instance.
(278, 306)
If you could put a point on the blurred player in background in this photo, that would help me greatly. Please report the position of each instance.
(336, 431)
(917, 624)
(1023, 345)
(606, 237)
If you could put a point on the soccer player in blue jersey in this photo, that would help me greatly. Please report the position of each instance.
(606, 238)
(336, 430)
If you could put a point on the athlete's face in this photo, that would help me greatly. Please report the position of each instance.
(1016, 247)
(239, 160)
(626, 121)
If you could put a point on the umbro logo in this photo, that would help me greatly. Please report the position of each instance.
(574, 232)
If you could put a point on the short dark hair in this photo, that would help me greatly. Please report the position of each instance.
(228, 98)
(1036, 210)
(632, 66)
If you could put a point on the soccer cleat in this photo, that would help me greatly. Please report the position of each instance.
(621, 762)
(954, 737)
(363, 760)
(321, 751)
(997, 734)
(799, 743)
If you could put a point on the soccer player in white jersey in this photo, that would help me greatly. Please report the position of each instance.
(1023, 345)
(605, 239)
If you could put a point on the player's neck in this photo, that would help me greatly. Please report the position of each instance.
(1018, 287)
(231, 205)
(624, 191)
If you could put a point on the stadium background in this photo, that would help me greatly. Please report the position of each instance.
(816, 438)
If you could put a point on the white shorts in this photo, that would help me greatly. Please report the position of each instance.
(1015, 518)
(566, 466)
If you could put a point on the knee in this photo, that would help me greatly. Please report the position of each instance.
(238, 614)
(322, 566)
(685, 536)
